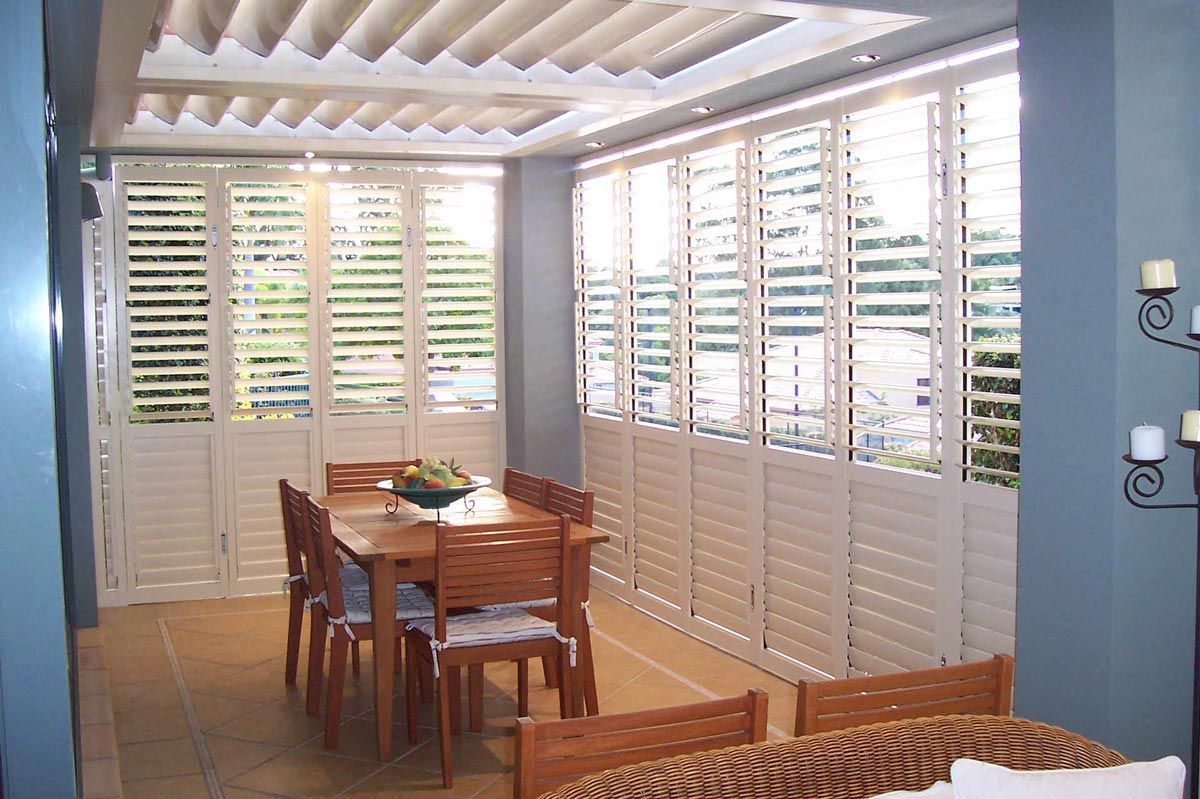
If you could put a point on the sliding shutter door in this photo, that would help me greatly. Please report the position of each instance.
(365, 315)
(170, 447)
(987, 205)
(271, 338)
(459, 317)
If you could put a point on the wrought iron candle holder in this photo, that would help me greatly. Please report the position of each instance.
(1145, 481)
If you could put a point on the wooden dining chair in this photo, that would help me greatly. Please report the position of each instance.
(491, 564)
(552, 753)
(970, 688)
(292, 502)
(347, 613)
(579, 505)
(360, 478)
(529, 488)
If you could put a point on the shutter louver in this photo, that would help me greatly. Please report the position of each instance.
(602, 474)
(106, 515)
(167, 301)
(987, 208)
(458, 297)
(653, 298)
(365, 302)
(791, 190)
(989, 581)
(714, 292)
(598, 302)
(268, 322)
(892, 272)
(720, 576)
(656, 519)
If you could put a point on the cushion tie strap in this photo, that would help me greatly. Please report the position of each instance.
(587, 613)
(343, 622)
(319, 599)
(287, 581)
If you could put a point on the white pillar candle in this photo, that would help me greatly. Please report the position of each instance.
(1159, 274)
(1189, 426)
(1147, 443)
(1195, 328)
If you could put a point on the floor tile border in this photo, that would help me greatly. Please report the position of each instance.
(207, 768)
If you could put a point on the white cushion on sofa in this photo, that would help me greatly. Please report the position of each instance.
(939, 790)
(1160, 779)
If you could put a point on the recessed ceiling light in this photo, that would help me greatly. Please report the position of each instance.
(864, 58)
(702, 109)
(595, 145)
(310, 154)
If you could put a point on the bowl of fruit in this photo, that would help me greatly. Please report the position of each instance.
(433, 484)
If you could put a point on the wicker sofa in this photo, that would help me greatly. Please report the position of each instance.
(848, 764)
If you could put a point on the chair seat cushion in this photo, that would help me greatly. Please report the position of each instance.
(411, 603)
(502, 626)
(354, 576)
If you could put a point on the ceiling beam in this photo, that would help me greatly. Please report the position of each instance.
(790, 10)
(326, 148)
(124, 30)
(394, 89)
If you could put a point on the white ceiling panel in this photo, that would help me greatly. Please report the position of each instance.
(364, 73)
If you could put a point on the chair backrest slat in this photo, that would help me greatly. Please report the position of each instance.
(575, 502)
(360, 478)
(324, 566)
(291, 501)
(978, 688)
(487, 564)
(552, 753)
(529, 488)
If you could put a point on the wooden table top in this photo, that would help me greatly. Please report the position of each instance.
(367, 531)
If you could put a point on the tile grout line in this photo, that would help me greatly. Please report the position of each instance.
(695, 686)
(189, 712)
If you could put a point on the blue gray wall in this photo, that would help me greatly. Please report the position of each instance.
(539, 316)
(1105, 591)
(35, 709)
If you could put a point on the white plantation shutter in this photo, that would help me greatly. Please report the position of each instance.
(168, 291)
(653, 297)
(458, 297)
(888, 172)
(269, 291)
(656, 505)
(790, 228)
(720, 540)
(714, 292)
(989, 574)
(603, 474)
(259, 459)
(987, 220)
(598, 235)
(799, 539)
(893, 578)
(365, 300)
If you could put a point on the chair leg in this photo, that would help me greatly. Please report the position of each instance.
(316, 661)
(523, 687)
(399, 659)
(444, 681)
(410, 686)
(587, 673)
(455, 698)
(426, 675)
(550, 671)
(565, 706)
(357, 663)
(475, 696)
(337, 685)
(295, 622)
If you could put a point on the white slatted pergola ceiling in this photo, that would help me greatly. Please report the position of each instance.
(469, 77)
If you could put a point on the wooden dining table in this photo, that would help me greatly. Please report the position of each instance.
(400, 546)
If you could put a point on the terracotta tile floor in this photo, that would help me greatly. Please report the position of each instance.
(258, 743)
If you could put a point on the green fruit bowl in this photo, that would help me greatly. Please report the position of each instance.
(433, 498)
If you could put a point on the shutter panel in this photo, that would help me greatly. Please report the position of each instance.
(167, 300)
(259, 460)
(268, 319)
(714, 292)
(720, 577)
(893, 574)
(893, 280)
(799, 541)
(791, 191)
(656, 468)
(602, 473)
(989, 578)
(598, 301)
(365, 301)
(987, 218)
(653, 297)
(458, 297)
(106, 512)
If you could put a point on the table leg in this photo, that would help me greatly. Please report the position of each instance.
(383, 629)
(583, 686)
